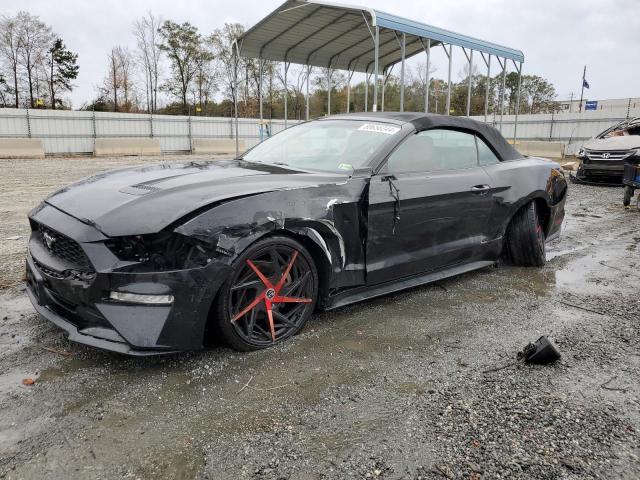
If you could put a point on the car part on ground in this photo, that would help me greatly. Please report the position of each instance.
(541, 352)
(135, 260)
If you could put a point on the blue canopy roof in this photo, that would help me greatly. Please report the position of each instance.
(325, 34)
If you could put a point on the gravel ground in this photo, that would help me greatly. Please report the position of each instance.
(421, 384)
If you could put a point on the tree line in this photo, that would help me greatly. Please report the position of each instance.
(173, 68)
(36, 68)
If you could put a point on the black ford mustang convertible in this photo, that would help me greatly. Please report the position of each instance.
(160, 258)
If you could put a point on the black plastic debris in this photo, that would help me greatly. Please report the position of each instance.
(541, 352)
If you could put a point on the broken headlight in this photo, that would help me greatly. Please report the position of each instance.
(162, 251)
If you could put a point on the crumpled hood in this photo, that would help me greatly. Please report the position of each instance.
(146, 199)
(626, 142)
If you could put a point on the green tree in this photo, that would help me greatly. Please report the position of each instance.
(537, 94)
(62, 69)
(183, 47)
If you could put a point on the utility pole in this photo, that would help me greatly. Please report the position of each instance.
(584, 74)
(571, 103)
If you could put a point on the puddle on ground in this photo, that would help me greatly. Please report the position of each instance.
(69, 365)
(600, 272)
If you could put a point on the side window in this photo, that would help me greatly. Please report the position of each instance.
(434, 150)
(485, 154)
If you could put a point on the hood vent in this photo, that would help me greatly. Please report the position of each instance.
(140, 189)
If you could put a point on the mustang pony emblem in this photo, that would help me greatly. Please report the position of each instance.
(49, 240)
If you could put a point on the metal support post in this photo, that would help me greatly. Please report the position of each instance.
(376, 60)
(487, 62)
(28, 124)
(515, 126)
(469, 79)
(403, 49)
(504, 82)
(349, 78)
(190, 135)
(235, 97)
(286, 95)
(448, 104)
(260, 74)
(427, 78)
(93, 124)
(366, 92)
(308, 75)
(329, 90)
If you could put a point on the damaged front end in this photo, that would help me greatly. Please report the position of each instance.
(135, 295)
(604, 167)
(602, 159)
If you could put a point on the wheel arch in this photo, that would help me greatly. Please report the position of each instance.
(543, 207)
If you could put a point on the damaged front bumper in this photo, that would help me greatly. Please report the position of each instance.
(602, 167)
(117, 310)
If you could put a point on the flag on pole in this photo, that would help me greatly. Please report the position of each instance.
(585, 84)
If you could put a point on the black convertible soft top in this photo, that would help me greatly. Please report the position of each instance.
(427, 121)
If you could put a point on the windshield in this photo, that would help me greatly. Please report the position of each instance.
(325, 145)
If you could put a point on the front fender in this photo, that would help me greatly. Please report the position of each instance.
(328, 215)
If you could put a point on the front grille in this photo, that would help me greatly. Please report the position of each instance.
(612, 155)
(63, 247)
(47, 271)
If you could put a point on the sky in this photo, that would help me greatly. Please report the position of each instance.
(558, 37)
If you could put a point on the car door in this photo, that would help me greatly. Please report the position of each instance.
(428, 206)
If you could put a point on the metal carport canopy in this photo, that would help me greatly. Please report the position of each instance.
(335, 36)
(325, 34)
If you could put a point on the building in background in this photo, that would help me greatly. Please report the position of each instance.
(618, 105)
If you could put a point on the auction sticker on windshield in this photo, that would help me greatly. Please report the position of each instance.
(379, 128)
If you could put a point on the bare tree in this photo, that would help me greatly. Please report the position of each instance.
(145, 29)
(295, 89)
(125, 71)
(4, 91)
(10, 50)
(221, 42)
(113, 80)
(34, 40)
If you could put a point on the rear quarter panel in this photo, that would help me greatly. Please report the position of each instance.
(517, 182)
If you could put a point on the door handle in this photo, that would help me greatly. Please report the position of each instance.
(480, 189)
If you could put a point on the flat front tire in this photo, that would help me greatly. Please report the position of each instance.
(526, 238)
(269, 296)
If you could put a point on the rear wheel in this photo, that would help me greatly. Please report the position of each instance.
(269, 296)
(526, 238)
(628, 194)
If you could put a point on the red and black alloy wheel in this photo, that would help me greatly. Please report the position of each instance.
(269, 296)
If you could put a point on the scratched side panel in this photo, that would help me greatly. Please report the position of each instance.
(329, 215)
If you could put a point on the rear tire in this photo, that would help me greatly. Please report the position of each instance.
(526, 238)
(275, 310)
(628, 194)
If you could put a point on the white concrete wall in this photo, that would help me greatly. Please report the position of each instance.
(572, 129)
(65, 132)
(75, 132)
